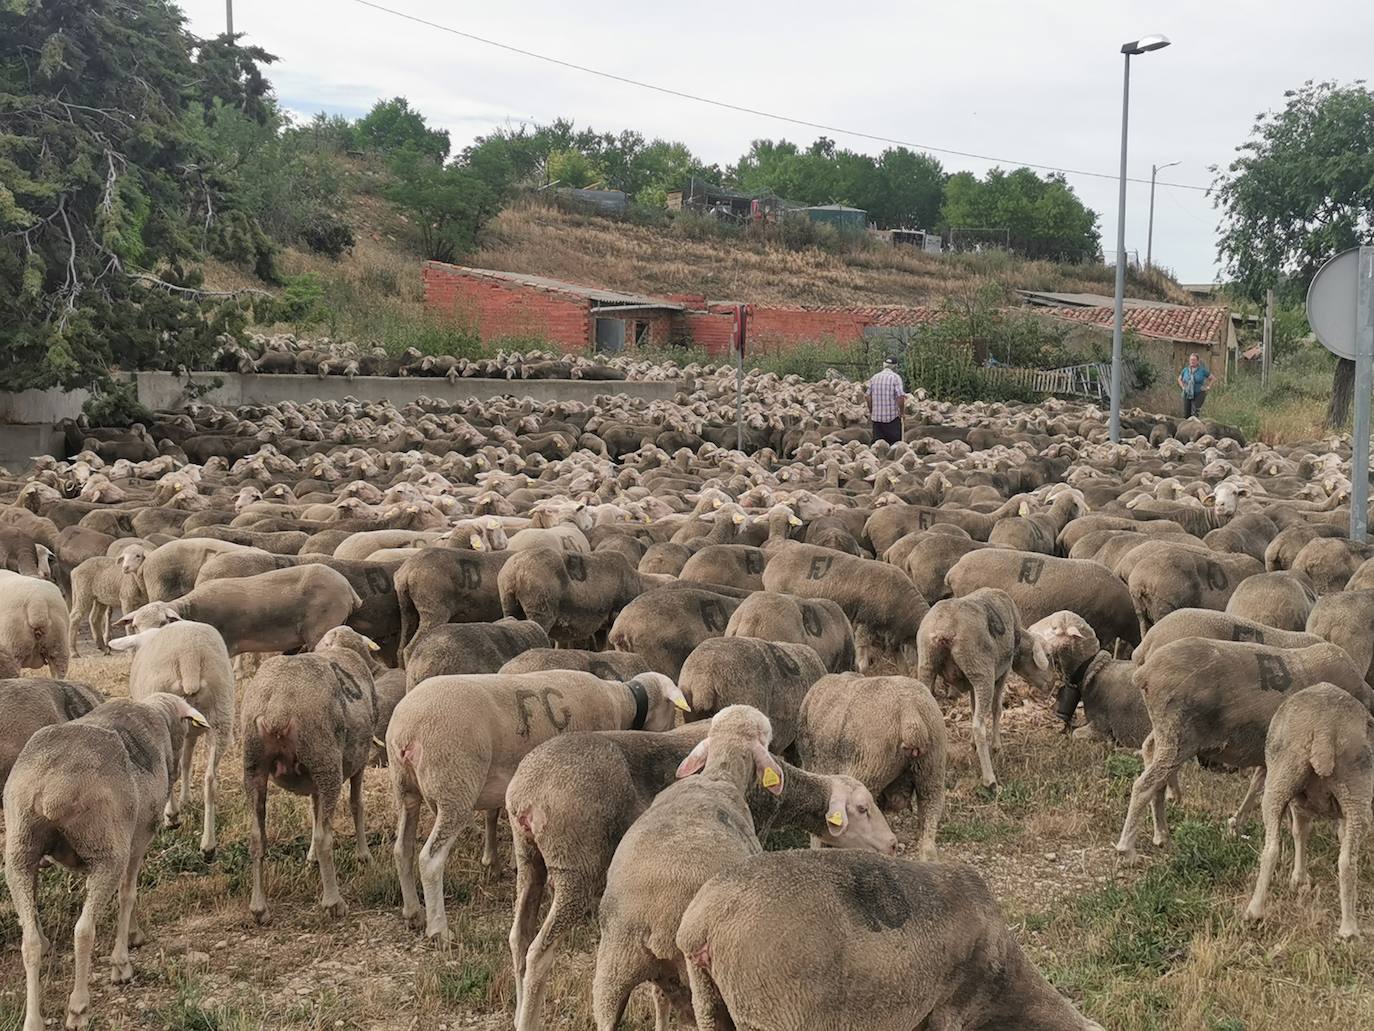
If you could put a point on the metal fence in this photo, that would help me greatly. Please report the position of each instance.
(1091, 381)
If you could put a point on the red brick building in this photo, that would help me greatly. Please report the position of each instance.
(576, 318)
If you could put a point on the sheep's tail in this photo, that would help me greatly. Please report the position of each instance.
(1321, 751)
(357, 600)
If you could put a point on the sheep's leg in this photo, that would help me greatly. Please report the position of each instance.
(706, 998)
(1355, 808)
(81, 606)
(432, 858)
(616, 976)
(128, 896)
(998, 691)
(407, 826)
(571, 902)
(1301, 879)
(22, 878)
(531, 876)
(984, 694)
(326, 799)
(210, 788)
(100, 885)
(1151, 781)
(489, 838)
(1276, 798)
(180, 794)
(1252, 794)
(100, 627)
(255, 787)
(355, 804)
(663, 1008)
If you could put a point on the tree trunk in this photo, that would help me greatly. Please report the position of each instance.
(1342, 394)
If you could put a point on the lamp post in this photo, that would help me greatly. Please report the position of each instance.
(1140, 46)
(1150, 235)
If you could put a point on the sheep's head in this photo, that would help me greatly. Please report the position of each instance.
(744, 728)
(148, 617)
(854, 820)
(346, 638)
(132, 558)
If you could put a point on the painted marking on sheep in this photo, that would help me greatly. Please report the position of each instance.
(1216, 577)
(1247, 634)
(469, 575)
(925, 519)
(753, 562)
(74, 703)
(874, 897)
(604, 670)
(786, 665)
(378, 581)
(568, 544)
(996, 626)
(558, 720)
(139, 753)
(713, 615)
(820, 566)
(1274, 674)
(811, 621)
(577, 567)
(1031, 569)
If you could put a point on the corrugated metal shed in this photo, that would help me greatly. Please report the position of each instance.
(839, 216)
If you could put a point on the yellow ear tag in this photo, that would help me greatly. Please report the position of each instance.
(681, 703)
(770, 777)
(1024, 510)
(372, 645)
(716, 502)
(836, 818)
(476, 542)
(793, 521)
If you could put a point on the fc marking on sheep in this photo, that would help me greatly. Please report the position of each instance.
(787, 666)
(819, 567)
(74, 704)
(925, 519)
(1216, 577)
(379, 580)
(558, 720)
(1031, 569)
(996, 627)
(753, 562)
(1273, 673)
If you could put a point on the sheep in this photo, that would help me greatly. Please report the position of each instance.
(772, 677)
(170, 570)
(1345, 619)
(1281, 599)
(882, 604)
(818, 623)
(27, 703)
(923, 945)
(886, 732)
(1217, 626)
(456, 741)
(307, 723)
(573, 798)
(1330, 562)
(101, 584)
(1214, 700)
(664, 626)
(1319, 754)
(457, 648)
(972, 643)
(572, 596)
(87, 794)
(890, 522)
(277, 611)
(189, 659)
(606, 665)
(1165, 577)
(693, 829)
(733, 565)
(1042, 584)
(34, 624)
(928, 563)
(1037, 531)
(1288, 542)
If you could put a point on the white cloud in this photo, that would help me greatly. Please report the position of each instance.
(1029, 81)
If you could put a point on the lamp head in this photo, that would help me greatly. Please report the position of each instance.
(1144, 45)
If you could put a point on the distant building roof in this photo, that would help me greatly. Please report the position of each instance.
(590, 293)
(1196, 325)
(1048, 299)
(833, 207)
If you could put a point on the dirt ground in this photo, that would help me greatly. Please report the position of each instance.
(1160, 945)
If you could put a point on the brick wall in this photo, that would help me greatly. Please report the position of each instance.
(496, 309)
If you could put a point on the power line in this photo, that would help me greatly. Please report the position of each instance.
(668, 91)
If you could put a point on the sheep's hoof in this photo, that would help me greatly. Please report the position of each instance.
(262, 917)
(172, 820)
(1348, 932)
(137, 938)
(415, 920)
(336, 908)
(1127, 856)
(1254, 914)
(440, 936)
(1303, 886)
(1232, 828)
(362, 853)
(208, 854)
(122, 973)
(1160, 840)
(78, 1016)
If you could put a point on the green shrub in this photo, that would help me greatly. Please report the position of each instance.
(115, 403)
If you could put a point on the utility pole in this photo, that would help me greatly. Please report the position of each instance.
(1267, 356)
(229, 18)
(1150, 235)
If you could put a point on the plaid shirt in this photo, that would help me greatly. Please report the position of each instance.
(883, 391)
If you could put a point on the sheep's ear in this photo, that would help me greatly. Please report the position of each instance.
(793, 521)
(1209, 500)
(770, 773)
(125, 620)
(372, 645)
(1038, 653)
(1023, 510)
(696, 759)
(173, 616)
(193, 716)
(837, 816)
(1072, 631)
(738, 518)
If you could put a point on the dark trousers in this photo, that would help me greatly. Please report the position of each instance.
(888, 431)
(1193, 405)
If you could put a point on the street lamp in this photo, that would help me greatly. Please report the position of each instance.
(1140, 46)
(1150, 236)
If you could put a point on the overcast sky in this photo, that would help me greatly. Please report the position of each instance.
(1019, 80)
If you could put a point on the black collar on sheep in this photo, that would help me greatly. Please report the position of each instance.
(641, 698)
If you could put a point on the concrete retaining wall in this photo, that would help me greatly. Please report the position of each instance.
(165, 390)
(41, 406)
(19, 445)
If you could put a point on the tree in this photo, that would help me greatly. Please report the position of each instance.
(1043, 217)
(572, 168)
(1301, 190)
(448, 204)
(392, 126)
(109, 196)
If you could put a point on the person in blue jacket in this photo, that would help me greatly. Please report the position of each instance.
(1195, 380)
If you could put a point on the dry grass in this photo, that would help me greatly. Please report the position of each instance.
(536, 238)
(1159, 947)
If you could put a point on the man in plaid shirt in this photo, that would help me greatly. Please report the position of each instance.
(885, 397)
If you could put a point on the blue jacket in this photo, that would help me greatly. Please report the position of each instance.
(1193, 379)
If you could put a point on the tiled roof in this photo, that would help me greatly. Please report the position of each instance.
(591, 293)
(1196, 325)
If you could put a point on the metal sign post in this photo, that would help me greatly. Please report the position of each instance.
(1340, 309)
(741, 321)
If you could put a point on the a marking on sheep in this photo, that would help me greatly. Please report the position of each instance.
(1274, 674)
(577, 567)
(1247, 634)
(874, 897)
(713, 615)
(1031, 569)
(469, 575)
(558, 720)
(820, 566)
(1216, 577)
(811, 622)
(139, 752)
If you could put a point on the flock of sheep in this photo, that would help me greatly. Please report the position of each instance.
(510, 603)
